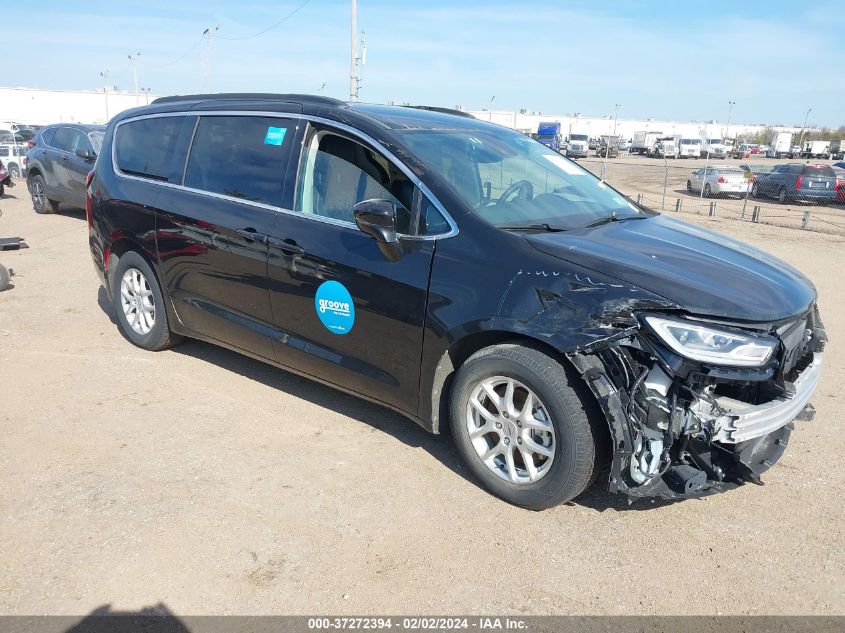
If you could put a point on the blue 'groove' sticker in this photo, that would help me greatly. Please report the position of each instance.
(275, 135)
(334, 307)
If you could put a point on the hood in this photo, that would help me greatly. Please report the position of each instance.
(703, 272)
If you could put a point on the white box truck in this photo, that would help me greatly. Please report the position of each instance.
(815, 149)
(781, 146)
(644, 142)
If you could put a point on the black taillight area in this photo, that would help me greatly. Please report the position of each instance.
(89, 199)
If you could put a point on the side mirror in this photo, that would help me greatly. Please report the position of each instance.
(377, 218)
(86, 154)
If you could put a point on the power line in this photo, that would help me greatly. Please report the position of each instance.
(180, 58)
(269, 28)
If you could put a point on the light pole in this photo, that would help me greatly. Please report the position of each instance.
(146, 92)
(208, 34)
(616, 117)
(493, 98)
(731, 105)
(803, 127)
(105, 75)
(133, 60)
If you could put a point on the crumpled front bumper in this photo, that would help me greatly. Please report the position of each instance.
(742, 421)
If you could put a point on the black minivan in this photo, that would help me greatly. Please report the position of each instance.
(464, 275)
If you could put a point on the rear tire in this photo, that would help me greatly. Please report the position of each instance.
(573, 439)
(139, 304)
(40, 202)
(708, 192)
(14, 171)
(689, 185)
(755, 191)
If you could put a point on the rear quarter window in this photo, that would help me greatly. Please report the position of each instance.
(144, 147)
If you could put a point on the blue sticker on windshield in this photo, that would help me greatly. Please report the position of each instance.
(275, 135)
(334, 307)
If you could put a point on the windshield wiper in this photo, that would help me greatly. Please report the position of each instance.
(614, 218)
(532, 227)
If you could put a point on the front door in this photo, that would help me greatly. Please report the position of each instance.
(343, 312)
(212, 231)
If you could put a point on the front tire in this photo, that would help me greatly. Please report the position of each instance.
(782, 197)
(708, 192)
(139, 304)
(689, 185)
(522, 428)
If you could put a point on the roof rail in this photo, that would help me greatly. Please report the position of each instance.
(442, 110)
(251, 96)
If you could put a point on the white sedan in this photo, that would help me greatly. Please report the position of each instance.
(722, 180)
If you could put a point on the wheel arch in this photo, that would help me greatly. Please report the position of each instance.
(117, 249)
(460, 350)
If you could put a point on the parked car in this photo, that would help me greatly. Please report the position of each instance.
(22, 133)
(5, 179)
(797, 182)
(717, 181)
(58, 163)
(391, 252)
(839, 172)
(14, 155)
(8, 136)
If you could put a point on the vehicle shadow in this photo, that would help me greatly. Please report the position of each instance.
(374, 415)
(158, 618)
(377, 417)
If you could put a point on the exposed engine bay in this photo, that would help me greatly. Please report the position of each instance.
(682, 427)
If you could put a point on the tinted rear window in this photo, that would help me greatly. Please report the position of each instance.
(826, 172)
(240, 156)
(145, 147)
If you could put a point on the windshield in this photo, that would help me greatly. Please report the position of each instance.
(96, 140)
(690, 141)
(578, 137)
(510, 180)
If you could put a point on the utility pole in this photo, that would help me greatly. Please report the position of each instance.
(206, 64)
(803, 127)
(105, 75)
(731, 105)
(133, 61)
(353, 58)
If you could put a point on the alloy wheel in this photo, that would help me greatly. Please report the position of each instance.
(39, 198)
(137, 301)
(510, 429)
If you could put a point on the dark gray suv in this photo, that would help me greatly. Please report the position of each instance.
(58, 163)
(797, 182)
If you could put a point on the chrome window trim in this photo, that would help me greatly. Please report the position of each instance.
(286, 115)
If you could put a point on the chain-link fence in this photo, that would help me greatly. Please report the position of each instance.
(669, 185)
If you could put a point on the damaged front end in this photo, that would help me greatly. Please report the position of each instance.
(682, 423)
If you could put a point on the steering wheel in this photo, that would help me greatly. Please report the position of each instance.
(523, 189)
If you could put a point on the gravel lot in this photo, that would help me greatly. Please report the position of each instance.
(211, 483)
(634, 175)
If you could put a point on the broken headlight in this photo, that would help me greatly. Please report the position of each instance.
(712, 345)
